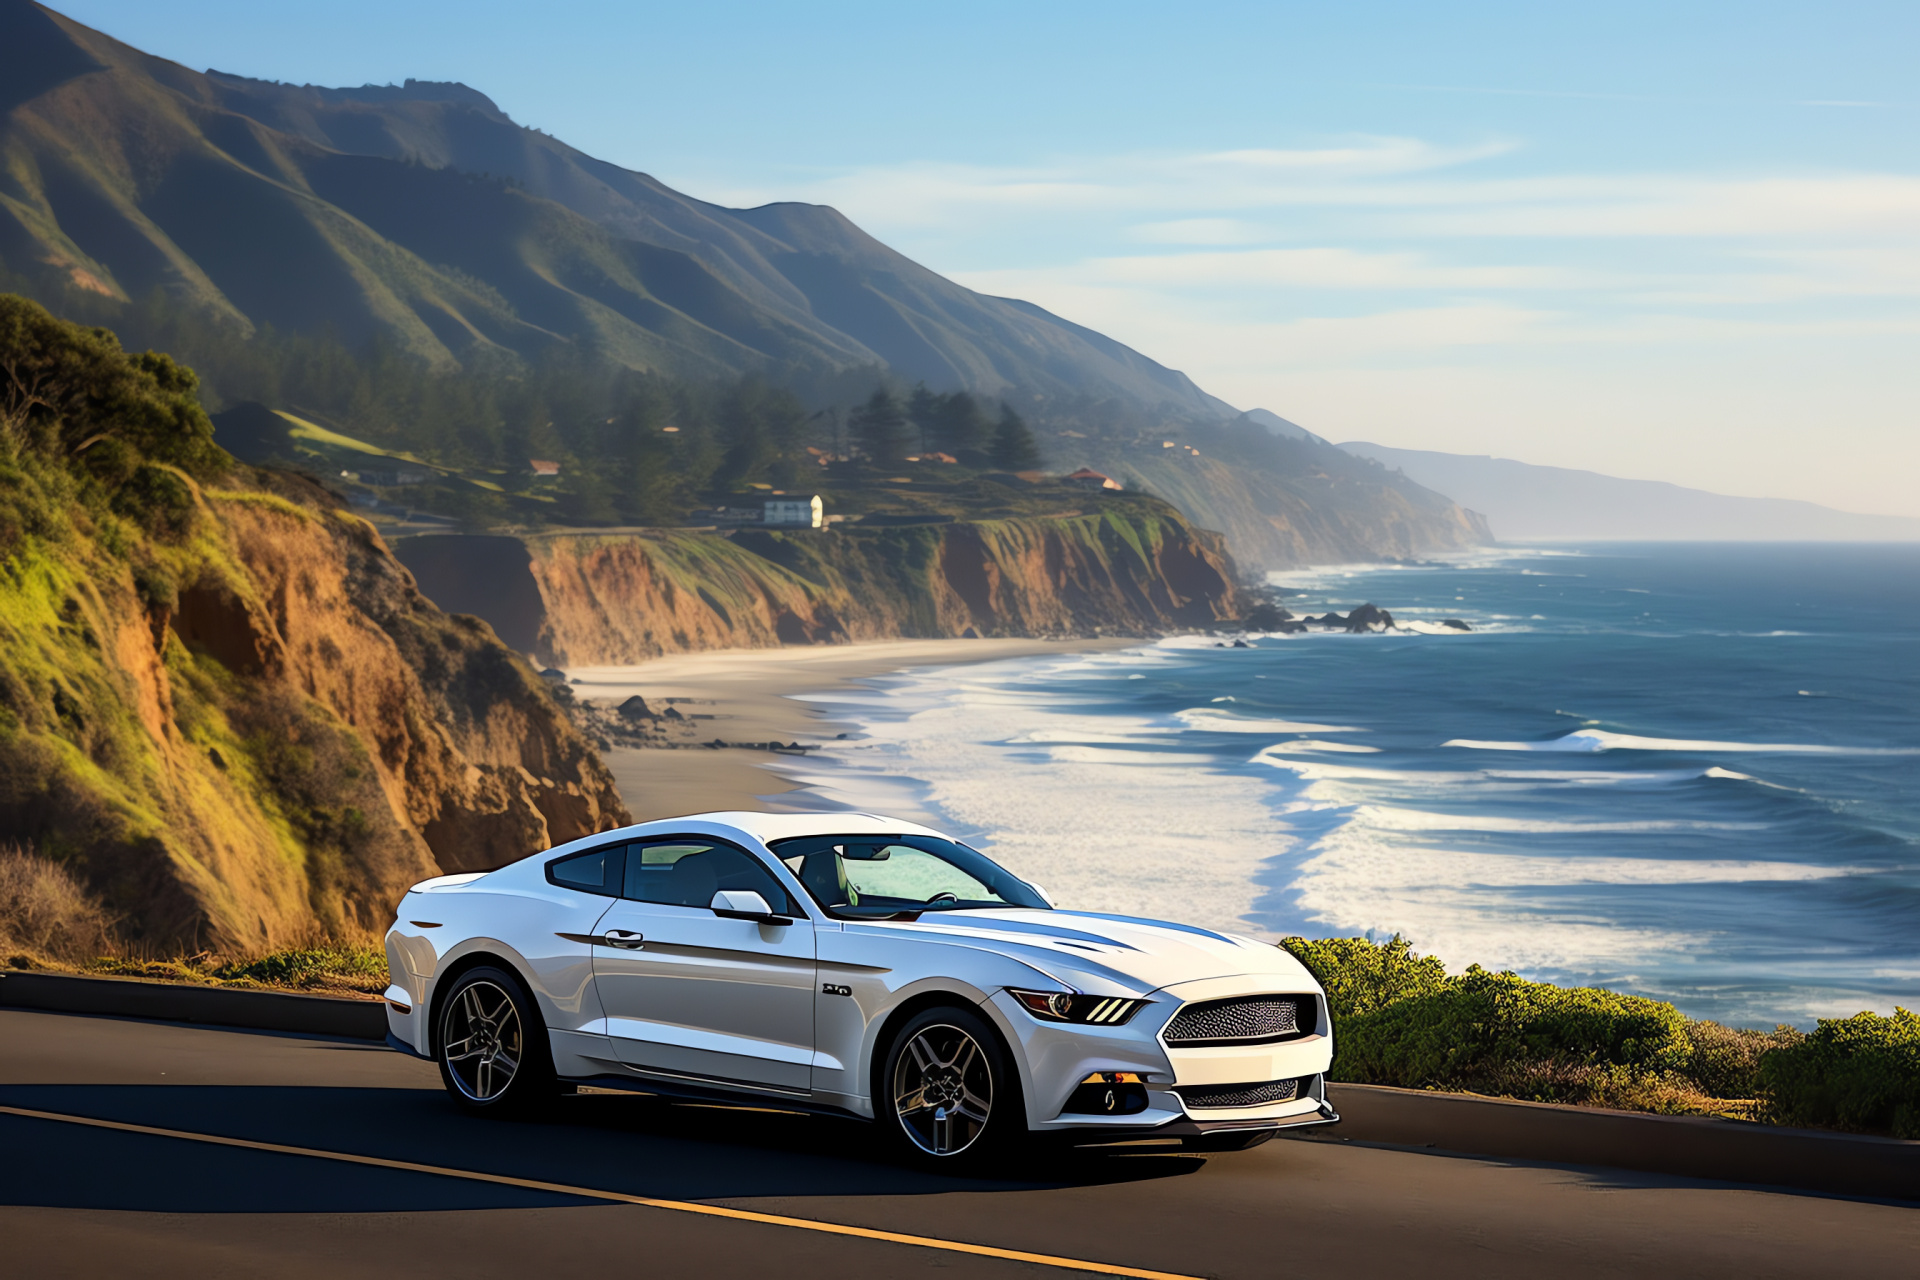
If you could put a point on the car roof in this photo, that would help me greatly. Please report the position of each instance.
(769, 827)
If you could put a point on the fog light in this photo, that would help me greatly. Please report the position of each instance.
(1108, 1093)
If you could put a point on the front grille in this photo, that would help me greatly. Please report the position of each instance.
(1216, 1096)
(1242, 1020)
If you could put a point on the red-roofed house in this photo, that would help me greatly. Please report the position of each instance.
(1088, 478)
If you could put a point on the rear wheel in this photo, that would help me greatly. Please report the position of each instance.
(948, 1095)
(492, 1044)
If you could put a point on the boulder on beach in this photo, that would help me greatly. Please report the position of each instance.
(636, 708)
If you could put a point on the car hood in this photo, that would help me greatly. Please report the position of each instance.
(1089, 951)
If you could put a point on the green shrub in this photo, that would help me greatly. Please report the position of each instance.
(1726, 1060)
(1362, 976)
(1480, 1024)
(1860, 1073)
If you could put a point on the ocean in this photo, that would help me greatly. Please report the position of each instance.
(1689, 771)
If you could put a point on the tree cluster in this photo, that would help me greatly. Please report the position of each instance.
(886, 431)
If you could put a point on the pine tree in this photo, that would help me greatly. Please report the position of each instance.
(1013, 445)
(879, 428)
(923, 410)
(961, 427)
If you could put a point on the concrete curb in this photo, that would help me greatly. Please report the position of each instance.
(179, 1002)
(1682, 1146)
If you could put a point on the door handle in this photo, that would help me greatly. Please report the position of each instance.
(625, 940)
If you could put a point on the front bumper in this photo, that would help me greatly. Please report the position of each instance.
(1058, 1057)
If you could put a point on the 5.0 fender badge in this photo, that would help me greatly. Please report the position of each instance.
(835, 989)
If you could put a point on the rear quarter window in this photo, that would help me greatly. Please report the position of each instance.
(599, 870)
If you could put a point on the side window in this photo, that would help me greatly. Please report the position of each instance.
(687, 873)
(596, 871)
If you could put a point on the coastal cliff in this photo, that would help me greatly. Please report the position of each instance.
(225, 709)
(609, 599)
(268, 728)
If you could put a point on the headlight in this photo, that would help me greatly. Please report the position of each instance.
(1060, 1006)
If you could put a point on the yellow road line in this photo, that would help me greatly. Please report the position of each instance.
(681, 1206)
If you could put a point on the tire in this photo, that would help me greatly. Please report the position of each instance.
(947, 1094)
(491, 1045)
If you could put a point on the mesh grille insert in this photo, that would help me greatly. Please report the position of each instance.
(1242, 1020)
(1205, 1097)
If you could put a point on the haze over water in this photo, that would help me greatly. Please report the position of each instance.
(1690, 771)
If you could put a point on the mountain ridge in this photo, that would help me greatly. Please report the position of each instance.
(420, 219)
(106, 147)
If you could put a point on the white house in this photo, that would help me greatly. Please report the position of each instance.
(794, 512)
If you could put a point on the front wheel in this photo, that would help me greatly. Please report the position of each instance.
(492, 1044)
(948, 1095)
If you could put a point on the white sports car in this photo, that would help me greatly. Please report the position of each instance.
(855, 964)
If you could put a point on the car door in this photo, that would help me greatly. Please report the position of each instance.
(691, 993)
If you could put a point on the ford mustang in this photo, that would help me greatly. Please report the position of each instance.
(854, 964)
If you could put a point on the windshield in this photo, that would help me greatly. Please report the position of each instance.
(854, 877)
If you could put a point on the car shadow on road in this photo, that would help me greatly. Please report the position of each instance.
(633, 1144)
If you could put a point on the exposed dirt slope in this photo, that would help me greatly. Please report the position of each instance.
(256, 728)
(589, 600)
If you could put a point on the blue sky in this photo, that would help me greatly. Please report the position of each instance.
(1674, 241)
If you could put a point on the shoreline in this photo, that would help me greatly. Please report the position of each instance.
(753, 695)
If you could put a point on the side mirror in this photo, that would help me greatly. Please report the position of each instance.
(744, 904)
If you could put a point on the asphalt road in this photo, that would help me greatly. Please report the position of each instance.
(79, 1200)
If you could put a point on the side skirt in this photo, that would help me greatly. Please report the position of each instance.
(690, 1091)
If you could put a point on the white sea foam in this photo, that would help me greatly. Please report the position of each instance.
(1462, 903)
(1317, 744)
(1227, 722)
(1587, 740)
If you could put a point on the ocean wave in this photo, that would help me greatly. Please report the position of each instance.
(1079, 737)
(1485, 779)
(1312, 744)
(1213, 721)
(1589, 740)
(1386, 818)
(1076, 754)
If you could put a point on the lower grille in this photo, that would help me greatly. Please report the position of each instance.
(1219, 1096)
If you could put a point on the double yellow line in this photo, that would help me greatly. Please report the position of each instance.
(617, 1197)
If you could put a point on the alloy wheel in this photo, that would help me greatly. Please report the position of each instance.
(943, 1090)
(481, 1041)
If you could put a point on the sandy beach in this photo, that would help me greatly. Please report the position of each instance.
(751, 695)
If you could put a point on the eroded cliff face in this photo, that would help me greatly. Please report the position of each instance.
(258, 730)
(617, 599)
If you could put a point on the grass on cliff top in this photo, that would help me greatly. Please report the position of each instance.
(344, 970)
